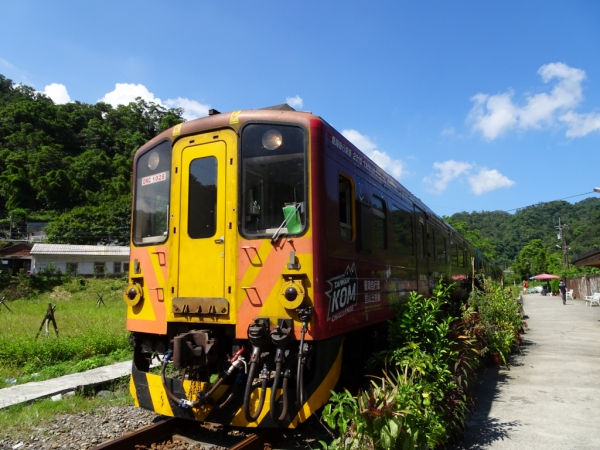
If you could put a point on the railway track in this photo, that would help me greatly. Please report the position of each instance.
(175, 433)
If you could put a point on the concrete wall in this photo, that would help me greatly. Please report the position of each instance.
(583, 286)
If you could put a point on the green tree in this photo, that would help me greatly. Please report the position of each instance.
(106, 224)
(66, 162)
(484, 244)
(531, 260)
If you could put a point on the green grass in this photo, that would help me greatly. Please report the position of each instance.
(25, 419)
(89, 336)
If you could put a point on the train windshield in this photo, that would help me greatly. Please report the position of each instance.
(273, 181)
(151, 204)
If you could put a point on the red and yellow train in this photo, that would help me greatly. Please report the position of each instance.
(261, 241)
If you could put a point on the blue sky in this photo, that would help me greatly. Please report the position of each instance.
(473, 106)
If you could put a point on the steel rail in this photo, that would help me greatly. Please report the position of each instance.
(165, 429)
(145, 435)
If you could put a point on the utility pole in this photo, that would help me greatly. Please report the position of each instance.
(10, 222)
(563, 240)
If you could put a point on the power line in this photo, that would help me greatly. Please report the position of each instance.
(514, 209)
(572, 196)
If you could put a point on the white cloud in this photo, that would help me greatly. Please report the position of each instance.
(447, 171)
(501, 114)
(192, 109)
(58, 93)
(578, 125)
(448, 131)
(494, 115)
(125, 93)
(484, 181)
(488, 180)
(6, 63)
(295, 102)
(394, 167)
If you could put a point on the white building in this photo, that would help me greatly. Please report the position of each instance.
(80, 259)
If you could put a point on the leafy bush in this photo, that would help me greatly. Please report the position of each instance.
(434, 356)
(375, 420)
(426, 402)
(501, 314)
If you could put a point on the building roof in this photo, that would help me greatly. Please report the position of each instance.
(16, 251)
(60, 249)
(589, 258)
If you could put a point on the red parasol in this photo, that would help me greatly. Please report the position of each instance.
(545, 276)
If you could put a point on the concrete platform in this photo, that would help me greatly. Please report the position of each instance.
(40, 389)
(549, 398)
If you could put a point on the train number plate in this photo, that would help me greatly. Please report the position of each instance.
(154, 178)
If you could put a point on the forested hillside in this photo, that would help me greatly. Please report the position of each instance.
(509, 233)
(71, 164)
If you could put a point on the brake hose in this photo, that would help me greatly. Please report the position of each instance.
(236, 362)
(257, 335)
(304, 316)
(280, 337)
(264, 375)
(284, 394)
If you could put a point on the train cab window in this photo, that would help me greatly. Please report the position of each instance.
(379, 223)
(151, 195)
(273, 181)
(346, 202)
(402, 231)
(202, 204)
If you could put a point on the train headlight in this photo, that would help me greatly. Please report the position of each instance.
(272, 140)
(133, 294)
(153, 160)
(291, 294)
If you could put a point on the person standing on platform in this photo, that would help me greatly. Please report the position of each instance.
(525, 286)
(562, 287)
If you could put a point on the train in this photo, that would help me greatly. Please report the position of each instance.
(267, 253)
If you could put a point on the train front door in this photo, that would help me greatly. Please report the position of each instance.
(421, 241)
(202, 220)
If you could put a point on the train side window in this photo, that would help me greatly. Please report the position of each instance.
(402, 231)
(461, 257)
(430, 242)
(421, 239)
(379, 223)
(440, 246)
(454, 254)
(346, 204)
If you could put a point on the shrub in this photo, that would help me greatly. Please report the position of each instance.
(426, 402)
(434, 356)
(501, 316)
